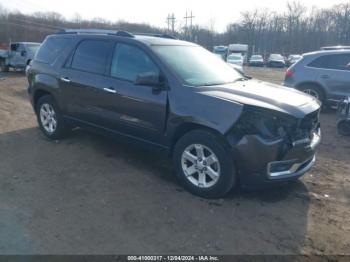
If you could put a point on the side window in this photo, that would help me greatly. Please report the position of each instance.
(14, 47)
(339, 62)
(20, 48)
(51, 49)
(91, 56)
(321, 62)
(129, 62)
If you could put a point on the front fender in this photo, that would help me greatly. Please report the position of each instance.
(190, 107)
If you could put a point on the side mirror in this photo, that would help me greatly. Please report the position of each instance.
(23, 53)
(149, 79)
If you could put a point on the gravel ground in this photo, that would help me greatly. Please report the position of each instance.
(88, 195)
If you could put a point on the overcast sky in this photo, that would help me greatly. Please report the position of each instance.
(154, 12)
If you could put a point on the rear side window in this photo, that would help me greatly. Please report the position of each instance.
(51, 49)
(14, 47)
(338, 62)
(130, 61)
(92, 56)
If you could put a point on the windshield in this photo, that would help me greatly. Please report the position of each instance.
(219, 52)
(197, 66)
(256, 57)
(276, 56)
(33, 47)
(234, 57)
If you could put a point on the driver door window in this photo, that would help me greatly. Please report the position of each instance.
(130, 61)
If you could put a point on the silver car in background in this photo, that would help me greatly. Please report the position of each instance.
(322, 74)
(236, 61)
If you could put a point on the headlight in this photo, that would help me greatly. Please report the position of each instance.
(266, 123)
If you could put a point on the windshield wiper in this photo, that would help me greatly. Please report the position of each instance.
(244, 78)
(212, 84)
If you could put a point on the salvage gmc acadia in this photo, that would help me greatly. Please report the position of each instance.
(220, 127)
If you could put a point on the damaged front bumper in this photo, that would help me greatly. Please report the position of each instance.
(264, 161)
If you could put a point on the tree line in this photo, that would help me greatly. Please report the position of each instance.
(296, 30)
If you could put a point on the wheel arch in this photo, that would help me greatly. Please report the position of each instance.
(187, 127)
(311, 83)
(38, 94)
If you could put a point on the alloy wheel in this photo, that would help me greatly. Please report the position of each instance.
(312, 92)
(48, 118)
(200, 166)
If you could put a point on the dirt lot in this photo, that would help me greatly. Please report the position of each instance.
(88, 195)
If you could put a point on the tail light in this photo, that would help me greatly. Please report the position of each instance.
(289, 73)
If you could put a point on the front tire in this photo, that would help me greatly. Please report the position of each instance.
(50, 119)
(204, 165)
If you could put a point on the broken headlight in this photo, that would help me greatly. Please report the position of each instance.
(266, 123)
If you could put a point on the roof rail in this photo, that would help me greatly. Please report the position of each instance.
(111, 32)
(156, 35)
(337, 47)
(95, 31)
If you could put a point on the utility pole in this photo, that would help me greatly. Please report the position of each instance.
(189, 16)
(168, 22)
(171, 23)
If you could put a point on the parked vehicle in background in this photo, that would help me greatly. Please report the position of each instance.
(322, 74)
(337, 47)
(236, 61)
(239, 49)
(220, 51)
(219, 127)
(276, 60)
(17, 56)
(292, 59)
(256, 60)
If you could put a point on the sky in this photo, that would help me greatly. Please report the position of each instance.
(217, 13)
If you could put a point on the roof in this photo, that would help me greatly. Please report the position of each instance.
(329, 52)
(337, 47)
(149, 39)
(26, 43)
(152, 40)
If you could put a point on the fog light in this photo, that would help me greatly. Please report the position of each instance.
(281, 166)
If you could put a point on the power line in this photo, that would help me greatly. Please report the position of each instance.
(26, 25)
(35, 24)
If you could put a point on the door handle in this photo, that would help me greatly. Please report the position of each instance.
(110, 90)
(325, 76)
(65, 79)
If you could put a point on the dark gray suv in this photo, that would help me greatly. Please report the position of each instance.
(323, 74)
(219, 127)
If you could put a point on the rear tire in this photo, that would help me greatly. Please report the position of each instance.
(343, 127)
(204, 164)
(50, 119)
(314, 91)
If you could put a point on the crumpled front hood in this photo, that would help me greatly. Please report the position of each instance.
(265, 95)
